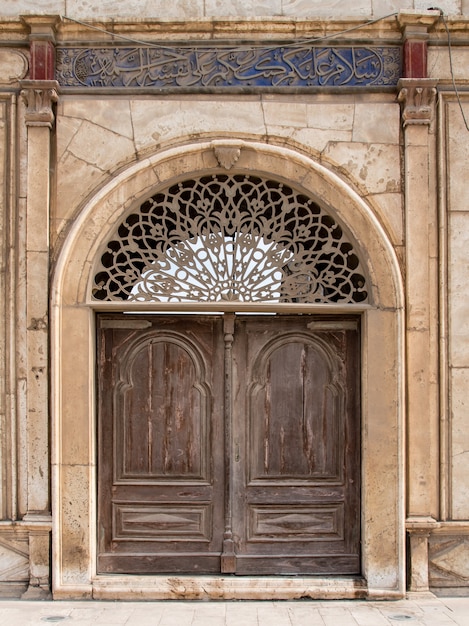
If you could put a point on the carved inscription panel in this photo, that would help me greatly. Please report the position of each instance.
(225, 67)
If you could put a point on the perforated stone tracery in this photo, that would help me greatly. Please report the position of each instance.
(230, 237)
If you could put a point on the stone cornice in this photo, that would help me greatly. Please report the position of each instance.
(212, 29)
(417, 21)
(228, 28)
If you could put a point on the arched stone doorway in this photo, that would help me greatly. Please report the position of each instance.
(226, 443)
(75, 306)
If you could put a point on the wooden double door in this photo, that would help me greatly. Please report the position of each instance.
(228, 444)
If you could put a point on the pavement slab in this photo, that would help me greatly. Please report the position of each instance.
(426, 611)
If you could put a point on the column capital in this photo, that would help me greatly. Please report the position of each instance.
(418, 98)
(422, 525)
(39, 96)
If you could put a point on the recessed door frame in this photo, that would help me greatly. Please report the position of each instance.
(73, 393)
(228, 444)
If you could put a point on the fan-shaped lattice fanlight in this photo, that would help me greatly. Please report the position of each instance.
(229, 237)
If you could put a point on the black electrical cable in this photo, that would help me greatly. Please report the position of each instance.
(450, 56)
(296, 43)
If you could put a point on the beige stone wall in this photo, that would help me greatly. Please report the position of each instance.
(458, 312)
(73, 401)
(336, 130)
(14, 539)
(24, 437)
(112, 151)
(196, 9)
(400, 189)
(4, 465)
(448, 542)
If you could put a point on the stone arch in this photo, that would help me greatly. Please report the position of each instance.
(73, 353)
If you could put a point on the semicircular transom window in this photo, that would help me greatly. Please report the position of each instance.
(230, 237)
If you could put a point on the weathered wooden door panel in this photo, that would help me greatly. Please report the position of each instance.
(160, 466)
(284, 486)
(296, 486)
(162, 419)
(291, 388)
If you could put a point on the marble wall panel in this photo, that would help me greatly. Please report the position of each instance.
(289, 113)
(193, 9)
(223, 117)
(439, 65)
(460, 444)
(4, 452)
(326, 8)
(314, 140)
(100, 147)
(389, 207)
(93, 136)
(381, 462)
(156, 9)
(155, 122)
(76, 558)
(449, 7)
(448, 554)
(327, 119)
(242, 8)
(14, 8)
(14, 556)
(327, 113)
(121, 131)
(306, 123)
(375, 167)
(78, 353)
(458, 288)
(458, 153)
(384, 7)
(77, 179)
(111, 114)
(13, 66)
(376, 123)
(449, 561)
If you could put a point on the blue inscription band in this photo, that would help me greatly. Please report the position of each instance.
(216, 67)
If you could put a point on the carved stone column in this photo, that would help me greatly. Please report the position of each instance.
(417, 96)
(39, 95)
(418, 100)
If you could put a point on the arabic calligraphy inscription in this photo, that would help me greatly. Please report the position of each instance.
(214, 67)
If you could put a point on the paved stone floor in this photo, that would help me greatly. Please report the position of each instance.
(429, 611)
